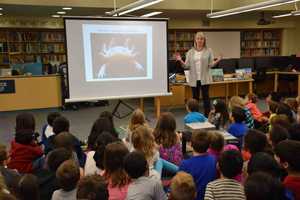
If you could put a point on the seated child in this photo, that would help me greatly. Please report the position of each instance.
(24, 149)
(238, 127)
(92, 187)
(201, 166)
(142, 187)
(68, 175)
(277, 134)
(230, 165)
(28, 188)
(288, 152)
(256, 113)
(237, 101)
(183, 187)
(167, 138)
(10, 176)
(219, 115)
(114, 171)
(255, 141)
(193, 115)
(47, 130)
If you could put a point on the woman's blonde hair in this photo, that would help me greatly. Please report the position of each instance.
(143, 140)
(237, 101)
(201, 35)
(137, 118)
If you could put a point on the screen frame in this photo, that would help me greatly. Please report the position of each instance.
(65, 18)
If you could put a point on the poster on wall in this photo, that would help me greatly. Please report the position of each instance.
(7, 86)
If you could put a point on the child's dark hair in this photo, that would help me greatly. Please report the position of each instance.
(252, 97)
(113, 164)
(216, 141)
(263, 162)
(294, 132)
(221, 107)
(25, 122)
(92, 187)
(68, 175)
(255, 141)
(275, 96)
(164, 131)
(193, 105)
(135, 164)
(289, 151)
(278, 134)
(231, 163)
(3, 154)
(51, 117)
(273, 105)
(238, 114)
(60, 124)
(28, 188)
(110, 116)
(262, 186)
(102, 141)
(65, 140)
(100, 125)
(285, 110)
(56, 157)
(200, 141)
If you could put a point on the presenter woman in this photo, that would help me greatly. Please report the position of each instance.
(199, 59)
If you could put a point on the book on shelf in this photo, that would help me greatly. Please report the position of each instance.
(53, 37)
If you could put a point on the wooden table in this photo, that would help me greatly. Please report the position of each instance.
(277, 73)
(226, 83)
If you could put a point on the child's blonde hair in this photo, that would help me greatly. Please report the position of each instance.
(143, 140)
(236, 101)
(183, 187)
(137, 118)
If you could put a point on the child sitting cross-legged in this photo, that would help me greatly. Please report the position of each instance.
(193, 115)
(230, 165)
(142, 186)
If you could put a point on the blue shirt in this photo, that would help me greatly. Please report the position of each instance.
(203, 169)
(192, 117)
(237, 129)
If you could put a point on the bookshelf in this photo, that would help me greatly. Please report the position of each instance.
(254, 42)
(261, 42)
(31, 45)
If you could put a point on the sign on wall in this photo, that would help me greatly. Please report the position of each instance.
(7, 86)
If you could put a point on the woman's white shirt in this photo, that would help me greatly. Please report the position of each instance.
(197, 60)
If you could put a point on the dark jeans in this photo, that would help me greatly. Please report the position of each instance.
(205, 96)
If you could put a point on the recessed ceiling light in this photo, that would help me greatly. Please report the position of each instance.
(1, 14)
(61, 12)
(1, 8)
(67, 8)
(56, 16)
(151, 14)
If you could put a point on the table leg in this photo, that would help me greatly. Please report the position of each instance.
(236, 89)
(142, 104)
(298, 85)
(157, 106)
(250, 86)
(226, 92)
(275, 82)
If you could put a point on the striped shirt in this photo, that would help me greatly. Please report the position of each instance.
(223, 189)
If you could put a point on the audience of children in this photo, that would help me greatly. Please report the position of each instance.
(111, 172)
(193, 115)
(256, 113)
(219, 115)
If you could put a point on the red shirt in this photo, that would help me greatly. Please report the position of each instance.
(22, 156)
(292, 183)
(256, 113)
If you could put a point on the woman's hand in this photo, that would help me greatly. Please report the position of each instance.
(178, 56)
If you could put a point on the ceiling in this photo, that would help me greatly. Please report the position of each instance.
(186, 11)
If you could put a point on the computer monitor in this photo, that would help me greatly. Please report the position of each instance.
(282, 62)
(246, 63)
(228, 65)
(263, 63)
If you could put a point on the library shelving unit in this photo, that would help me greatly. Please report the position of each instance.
(264, 42)
(31, 45)
(254, 42)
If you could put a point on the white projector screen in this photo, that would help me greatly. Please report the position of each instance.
(114, 58)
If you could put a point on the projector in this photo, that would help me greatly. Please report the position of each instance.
(263, 21)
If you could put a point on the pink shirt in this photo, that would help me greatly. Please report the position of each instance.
(256, 113)
(117, 193)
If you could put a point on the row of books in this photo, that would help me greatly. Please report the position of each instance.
(260, 44)
(181, 36)
(14, 36)
(271, 35)
(53, 48)
(4, 59)
(3, 47)
(3, 37)
(53, 59)
(34, 48)
(251, 35)
(260, 52)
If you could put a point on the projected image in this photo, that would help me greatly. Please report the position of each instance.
(123, 56)
(117, 53)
